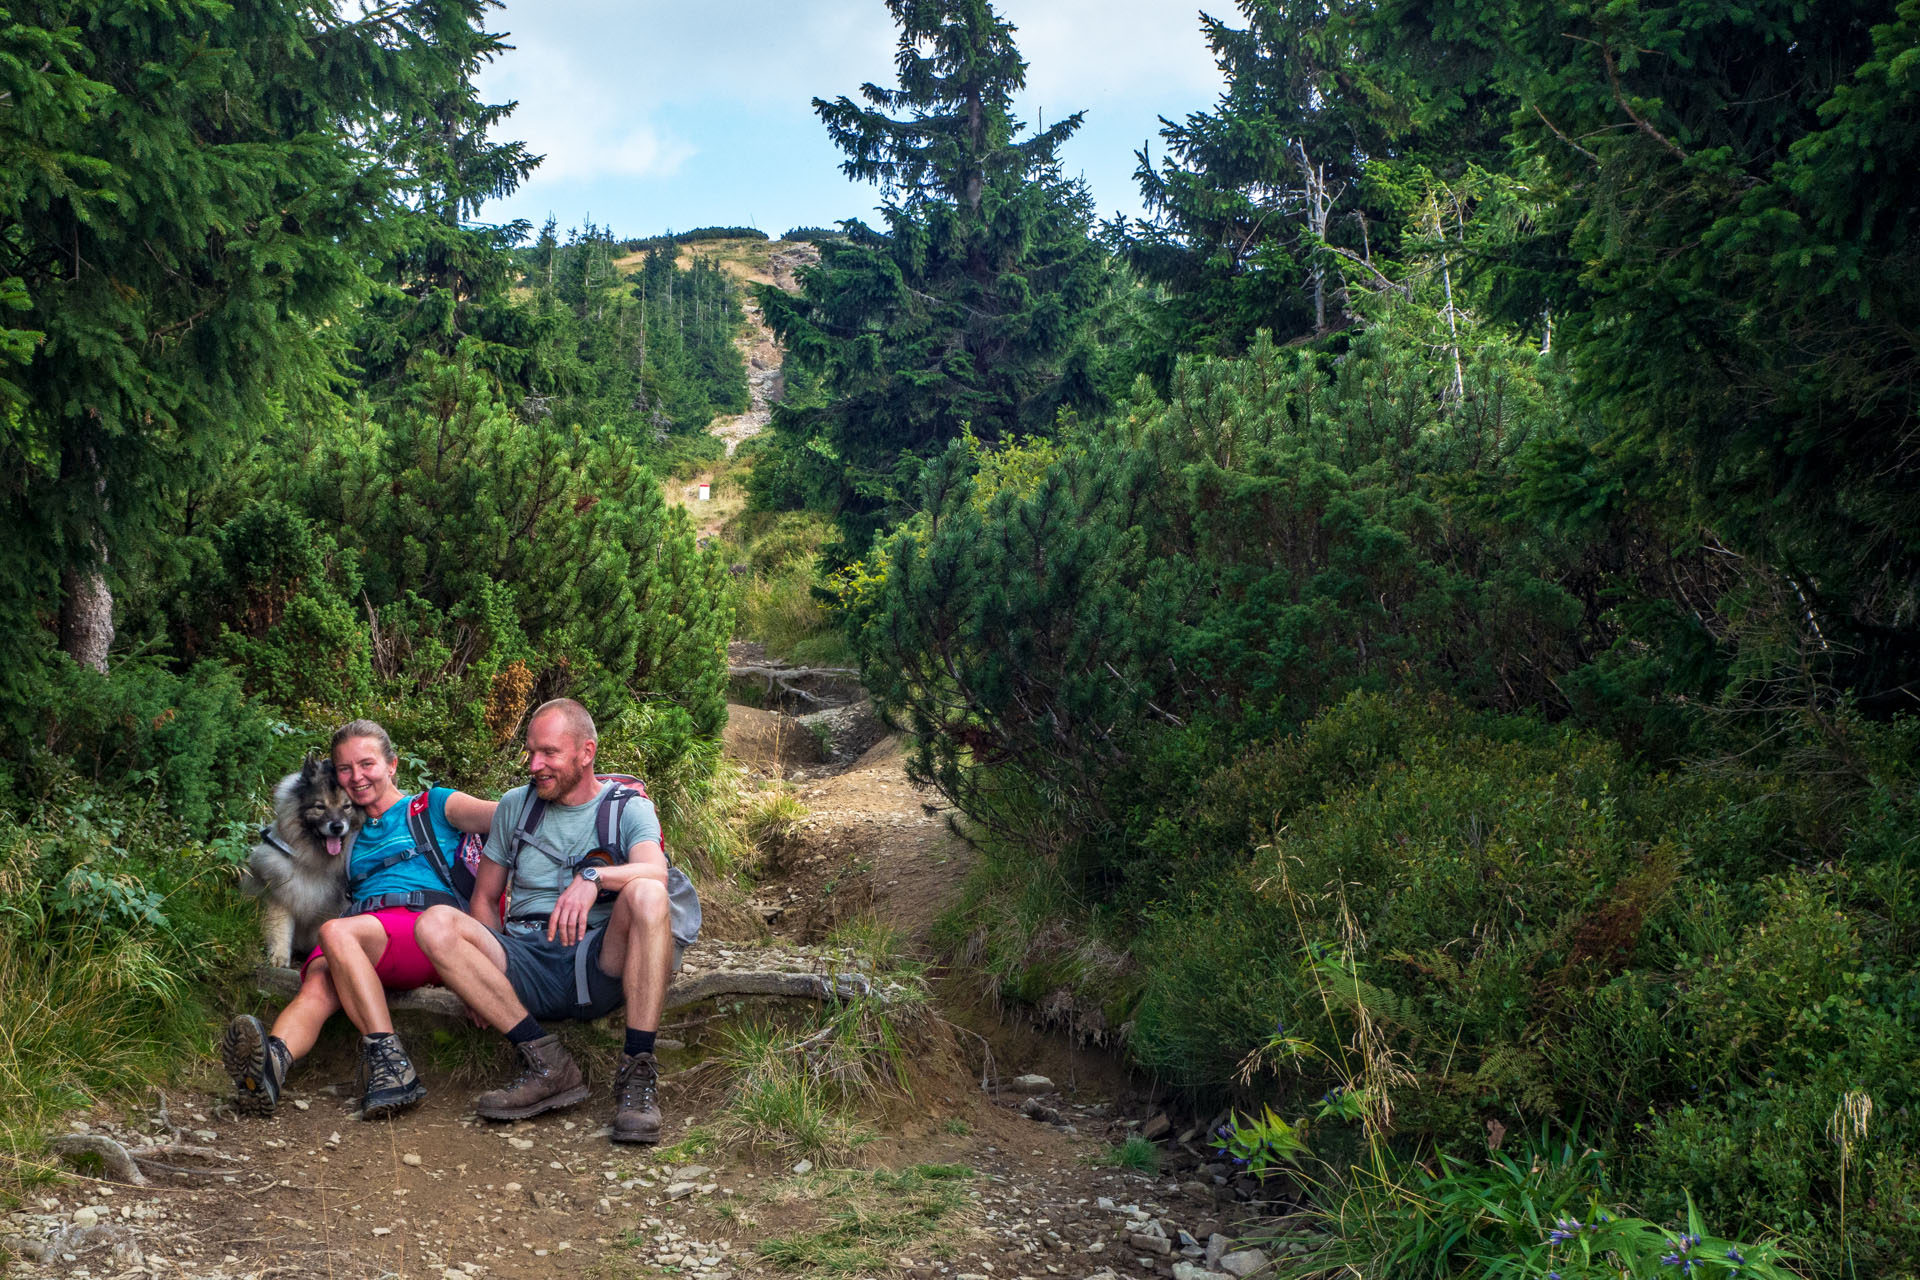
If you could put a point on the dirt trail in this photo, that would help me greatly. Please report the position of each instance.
(776, 265)
(749, 262)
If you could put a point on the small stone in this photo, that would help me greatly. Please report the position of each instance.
(453, 1273)
(805, 1166)
(1150, 1244)
(206, 1135)
(1243, 1262)
(301, 1104)
(692, 1173)
(1156, 1128)
(513, 1186)
(1034, 1109)
(412, 1158)
(1217, 1245)
(1105, 1202)
(86, 1217)
(1030, 1084)
(680, 1190)
(1197, 1191)
(520, 1144)
(333, 1139)
(383, 1231)
(1193, 1271)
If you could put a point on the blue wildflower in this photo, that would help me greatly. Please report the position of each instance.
(1734, 1255)
(1670, 1259)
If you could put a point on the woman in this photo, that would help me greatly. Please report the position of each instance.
(370, 950)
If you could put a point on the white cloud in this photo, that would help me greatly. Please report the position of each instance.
(578, 120)
(1082, 52)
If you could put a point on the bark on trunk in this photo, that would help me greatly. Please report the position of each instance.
(86, 613)
(86, 602)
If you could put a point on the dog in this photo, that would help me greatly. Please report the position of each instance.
(299, 868)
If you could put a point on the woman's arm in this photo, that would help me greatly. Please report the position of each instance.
(470, 813)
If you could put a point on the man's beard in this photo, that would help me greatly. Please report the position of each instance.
(558, 783)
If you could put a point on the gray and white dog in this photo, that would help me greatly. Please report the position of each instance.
(299, 868)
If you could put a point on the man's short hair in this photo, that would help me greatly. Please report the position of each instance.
(572, 714)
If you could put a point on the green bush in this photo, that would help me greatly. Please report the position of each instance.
(195, 741)
(1460, 921)
(116, 924)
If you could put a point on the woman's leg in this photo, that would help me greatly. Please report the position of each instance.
(298, 1025)
(354, 945)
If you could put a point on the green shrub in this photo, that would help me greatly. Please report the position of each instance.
(116, 925)
(193, 740)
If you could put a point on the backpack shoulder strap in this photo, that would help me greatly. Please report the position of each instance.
(425, 844)
(611, 808)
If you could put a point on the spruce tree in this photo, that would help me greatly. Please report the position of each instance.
(970, 311)
(186, 208)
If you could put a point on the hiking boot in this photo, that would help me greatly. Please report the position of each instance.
(258, 1064)
(550, 1080)
(392, 1083)
(636, 1091)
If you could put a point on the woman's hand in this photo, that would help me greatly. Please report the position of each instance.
(568, 923)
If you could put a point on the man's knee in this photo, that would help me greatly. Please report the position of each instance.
(646, 901)
(439, 928)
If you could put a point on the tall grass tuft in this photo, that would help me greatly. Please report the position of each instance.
(799, 1087)
(111, 927)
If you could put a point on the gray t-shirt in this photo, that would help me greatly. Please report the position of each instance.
(568, 830)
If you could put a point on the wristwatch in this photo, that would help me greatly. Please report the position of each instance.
(590, 874)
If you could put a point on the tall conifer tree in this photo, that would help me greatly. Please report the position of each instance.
(970, 312)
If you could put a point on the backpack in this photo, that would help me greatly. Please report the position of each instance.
(683, 903)
(456, 873)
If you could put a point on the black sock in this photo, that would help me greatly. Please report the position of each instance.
(640, 1041)
(375, 1037)
(525, 1030)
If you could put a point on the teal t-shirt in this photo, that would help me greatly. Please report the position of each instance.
(568, 830)
(387, 835)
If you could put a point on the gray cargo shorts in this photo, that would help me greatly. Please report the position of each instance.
(558, 981)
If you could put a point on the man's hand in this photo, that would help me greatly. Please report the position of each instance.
(568, 923)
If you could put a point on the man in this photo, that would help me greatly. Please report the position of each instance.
(583, 935)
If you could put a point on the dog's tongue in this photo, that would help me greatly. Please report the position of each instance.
(333, 846)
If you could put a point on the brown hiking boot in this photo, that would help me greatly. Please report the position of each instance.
(550, 1080)
(636, 1108)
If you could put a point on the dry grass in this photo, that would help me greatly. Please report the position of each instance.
(870, 1218)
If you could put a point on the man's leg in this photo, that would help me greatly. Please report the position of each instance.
(354, 946)
(639, 948)
(472, 962)
(258, 1059)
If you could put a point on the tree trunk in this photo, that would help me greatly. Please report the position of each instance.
(86, 602)
(86, 612)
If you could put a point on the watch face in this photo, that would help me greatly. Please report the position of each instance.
(590, 873)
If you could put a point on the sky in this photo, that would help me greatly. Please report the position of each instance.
(655, 116)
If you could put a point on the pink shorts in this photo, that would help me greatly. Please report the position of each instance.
(403, 965)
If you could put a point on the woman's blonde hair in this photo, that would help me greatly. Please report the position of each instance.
(364, 729)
